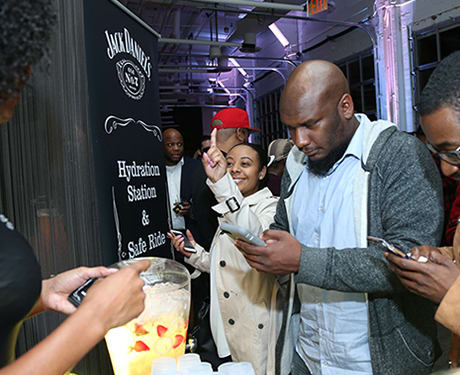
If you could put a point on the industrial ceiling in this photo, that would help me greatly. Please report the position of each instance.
(204, 42)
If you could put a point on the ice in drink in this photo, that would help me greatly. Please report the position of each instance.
(160, 330)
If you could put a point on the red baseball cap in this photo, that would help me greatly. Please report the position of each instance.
(229, 118)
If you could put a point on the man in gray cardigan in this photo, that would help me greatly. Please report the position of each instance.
(345, 312)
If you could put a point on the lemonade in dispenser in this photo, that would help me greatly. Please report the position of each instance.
(161, 329)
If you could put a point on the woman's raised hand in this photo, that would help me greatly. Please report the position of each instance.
(214, 162)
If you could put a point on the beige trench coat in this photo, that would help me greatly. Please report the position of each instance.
(244, 294)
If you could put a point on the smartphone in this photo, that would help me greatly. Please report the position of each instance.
(389, 247)
(187, 244)
(240, 233)
(76, 297)
(178, 207)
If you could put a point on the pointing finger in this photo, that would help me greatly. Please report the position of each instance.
(213, 138)
(141, 265)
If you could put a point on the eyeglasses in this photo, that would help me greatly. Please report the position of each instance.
(451, 157)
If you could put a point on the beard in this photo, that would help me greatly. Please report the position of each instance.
(322, 167)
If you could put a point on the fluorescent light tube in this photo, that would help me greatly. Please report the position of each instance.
(279, 35)
(238, 66)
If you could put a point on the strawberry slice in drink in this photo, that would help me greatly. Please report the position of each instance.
(161, 330)
(178, 339)
(140, 346)
(139, 330)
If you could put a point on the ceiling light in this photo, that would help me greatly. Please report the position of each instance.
(279, 35)
(238, 66)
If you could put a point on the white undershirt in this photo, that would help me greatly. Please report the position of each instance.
(173, 176)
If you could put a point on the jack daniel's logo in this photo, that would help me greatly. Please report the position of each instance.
(132, 78)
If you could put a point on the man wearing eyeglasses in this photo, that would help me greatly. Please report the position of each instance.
(438, 279)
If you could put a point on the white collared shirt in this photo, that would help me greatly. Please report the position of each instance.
(173, 176)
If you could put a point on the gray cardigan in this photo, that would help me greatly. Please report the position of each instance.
(404, 203)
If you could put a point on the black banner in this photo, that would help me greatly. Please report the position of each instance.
(121, 57)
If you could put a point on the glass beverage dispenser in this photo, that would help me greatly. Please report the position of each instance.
(161, 329)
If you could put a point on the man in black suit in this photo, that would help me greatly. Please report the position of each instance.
(190, 198)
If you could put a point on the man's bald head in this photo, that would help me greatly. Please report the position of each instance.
(171, 133)
(317, 107)
(315, 82)
(173, 145)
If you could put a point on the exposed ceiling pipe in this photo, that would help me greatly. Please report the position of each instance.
(204, 71)
(219, 94)
(199, 42)
(256, 4)
(175, 70)
(187, 88)
(175, 46)
(249, 24)
(196, 55)
(360, 25)
(199, 105)
(165, 19)
(139, 9)
(213, 67)
(135, 17)
(177, 17)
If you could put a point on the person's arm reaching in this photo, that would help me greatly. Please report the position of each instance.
(55, 290)
(109, 303)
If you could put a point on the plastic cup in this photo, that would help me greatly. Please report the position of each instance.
(164, 366)
(224, 368)
(199, 369)
(188, 361)
(244, 368)
(238, 368)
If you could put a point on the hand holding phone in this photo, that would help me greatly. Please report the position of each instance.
(178, 206)
(390, 247)
(76, 297)
(239, 233)
(187, 243)
(182, 208)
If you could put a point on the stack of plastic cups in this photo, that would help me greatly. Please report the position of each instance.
(236, 368)
(187, 364)
(164, 366)
(190, 364)
(199, 369)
